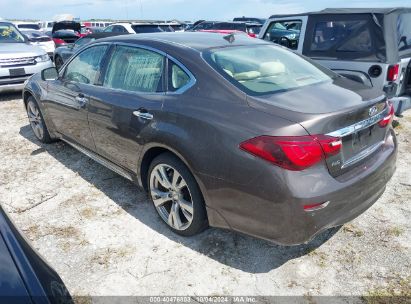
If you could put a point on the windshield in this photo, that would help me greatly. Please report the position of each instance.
(83, 41)
(9, 34)
(265, 69)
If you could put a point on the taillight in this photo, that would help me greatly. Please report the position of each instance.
(252, 35)
(59, 41)
(293, 152)
(387, 119)
(392, 74)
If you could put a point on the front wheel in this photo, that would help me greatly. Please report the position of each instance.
(37, 121)
(176, 195)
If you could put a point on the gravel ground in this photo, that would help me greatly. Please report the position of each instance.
(103, 237)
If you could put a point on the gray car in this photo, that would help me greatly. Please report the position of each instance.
(226, 131)
(18, 59)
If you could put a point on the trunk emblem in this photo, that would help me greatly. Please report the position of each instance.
(372, 111)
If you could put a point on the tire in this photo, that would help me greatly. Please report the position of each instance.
(178, 202)
(37, 121)
(58, 62)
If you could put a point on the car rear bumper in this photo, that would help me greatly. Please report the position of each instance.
(270, 211)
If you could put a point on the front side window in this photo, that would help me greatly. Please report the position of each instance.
(108, 29)
(285, 33)
(265, 69)
(135, 69)
(404, 32)
(86, 66)
(177, 77)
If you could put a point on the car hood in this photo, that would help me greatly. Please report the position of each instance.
(66, 25)
(16, 50)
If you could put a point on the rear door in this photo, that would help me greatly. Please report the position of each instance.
(68, 97)
(286, 31)
(127, 106)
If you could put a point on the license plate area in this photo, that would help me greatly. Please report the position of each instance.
(17, 72)
(362, 143)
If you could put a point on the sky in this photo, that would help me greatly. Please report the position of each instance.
(174, 9)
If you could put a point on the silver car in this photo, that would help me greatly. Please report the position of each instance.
(18, 59)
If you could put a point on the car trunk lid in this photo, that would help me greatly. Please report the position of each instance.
(330, 109)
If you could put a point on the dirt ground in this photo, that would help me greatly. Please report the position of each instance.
(103, 237)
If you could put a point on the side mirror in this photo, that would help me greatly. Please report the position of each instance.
(49, 74)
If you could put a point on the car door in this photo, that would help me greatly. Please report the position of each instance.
(67, 100)
(127, 108)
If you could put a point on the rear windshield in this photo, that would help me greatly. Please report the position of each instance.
(29, 26)
(265, 69)
(146, 28)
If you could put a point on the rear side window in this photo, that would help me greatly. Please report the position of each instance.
(177, 77)
(86, 66)
(135, 69)
(285, 33)
(404, 32)
(146, 29)
(344, 36)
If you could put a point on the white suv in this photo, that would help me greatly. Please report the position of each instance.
(18, 59)
(139, 27)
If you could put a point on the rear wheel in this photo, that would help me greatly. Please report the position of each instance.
(37, 122)
(176, 195)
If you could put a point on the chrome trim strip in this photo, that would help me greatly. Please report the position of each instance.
(359, 125)
(362, 154)
(100, 160)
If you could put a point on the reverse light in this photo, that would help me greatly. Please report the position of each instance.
(293, 152)
(387, 119)
(393, 71)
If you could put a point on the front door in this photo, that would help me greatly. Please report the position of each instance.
(68, 97)
(125, 112)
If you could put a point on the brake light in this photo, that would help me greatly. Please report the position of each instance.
(59, 41)
(252, 35)
(392, 74)
(387, 119)
(293, 152)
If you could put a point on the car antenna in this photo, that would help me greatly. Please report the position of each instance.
(230, 38)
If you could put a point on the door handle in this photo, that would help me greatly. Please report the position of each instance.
(81, 99)
(142, 113)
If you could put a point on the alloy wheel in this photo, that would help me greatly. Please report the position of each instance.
(171, 196)
(35, 119)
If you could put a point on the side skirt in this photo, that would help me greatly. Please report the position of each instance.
(101, 160)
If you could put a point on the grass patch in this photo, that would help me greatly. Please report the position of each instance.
(398, 291)
(355, 231)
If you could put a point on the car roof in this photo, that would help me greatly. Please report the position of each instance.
(198, 41)
(378, 10)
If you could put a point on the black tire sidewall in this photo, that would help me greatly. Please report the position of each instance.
(46, 136)
(200, 221)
